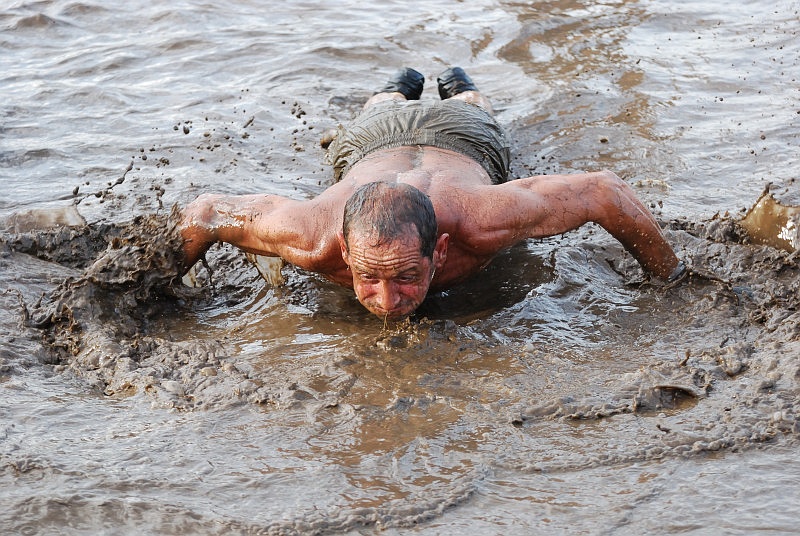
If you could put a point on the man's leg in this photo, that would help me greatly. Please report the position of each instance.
(405, 84)
(454, 83)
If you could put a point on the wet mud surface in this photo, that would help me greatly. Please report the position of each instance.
(706, 365)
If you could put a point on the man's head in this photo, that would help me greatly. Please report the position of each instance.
(389, 241)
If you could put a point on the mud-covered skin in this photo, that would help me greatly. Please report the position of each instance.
(476, 219)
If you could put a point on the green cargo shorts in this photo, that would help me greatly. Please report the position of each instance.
(449, 124)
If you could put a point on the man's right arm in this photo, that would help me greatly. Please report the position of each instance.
(266, 225)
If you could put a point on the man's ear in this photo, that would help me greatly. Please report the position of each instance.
(343, 247)
(440, 251)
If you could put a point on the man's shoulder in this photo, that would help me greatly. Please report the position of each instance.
(480, 217)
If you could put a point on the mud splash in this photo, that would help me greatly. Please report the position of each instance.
(95, 324)
(771, 223)
(104, 324)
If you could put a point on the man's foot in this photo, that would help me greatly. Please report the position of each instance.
(454, 81)
(406, 81)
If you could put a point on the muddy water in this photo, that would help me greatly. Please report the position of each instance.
(560, 392)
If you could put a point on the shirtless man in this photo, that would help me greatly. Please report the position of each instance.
(421, 202)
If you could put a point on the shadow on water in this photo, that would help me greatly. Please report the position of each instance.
(506, 281)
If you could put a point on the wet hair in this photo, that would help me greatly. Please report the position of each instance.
(386, 210)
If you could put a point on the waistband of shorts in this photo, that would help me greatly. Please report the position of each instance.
(425, 137)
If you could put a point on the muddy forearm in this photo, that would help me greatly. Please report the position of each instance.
(629, 221)
(248, 222)
(650, 248)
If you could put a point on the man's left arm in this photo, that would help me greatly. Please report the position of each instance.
(549, 205)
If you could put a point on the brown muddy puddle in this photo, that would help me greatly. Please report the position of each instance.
(560, 358)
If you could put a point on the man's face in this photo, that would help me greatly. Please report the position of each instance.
(392, 279)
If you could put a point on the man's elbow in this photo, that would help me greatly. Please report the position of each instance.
(607, 196)
(610, 182)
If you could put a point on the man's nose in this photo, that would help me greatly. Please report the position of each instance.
(388, 297)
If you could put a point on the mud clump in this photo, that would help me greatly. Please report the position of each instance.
(96, 324)
(772, 223)
(110, 324)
